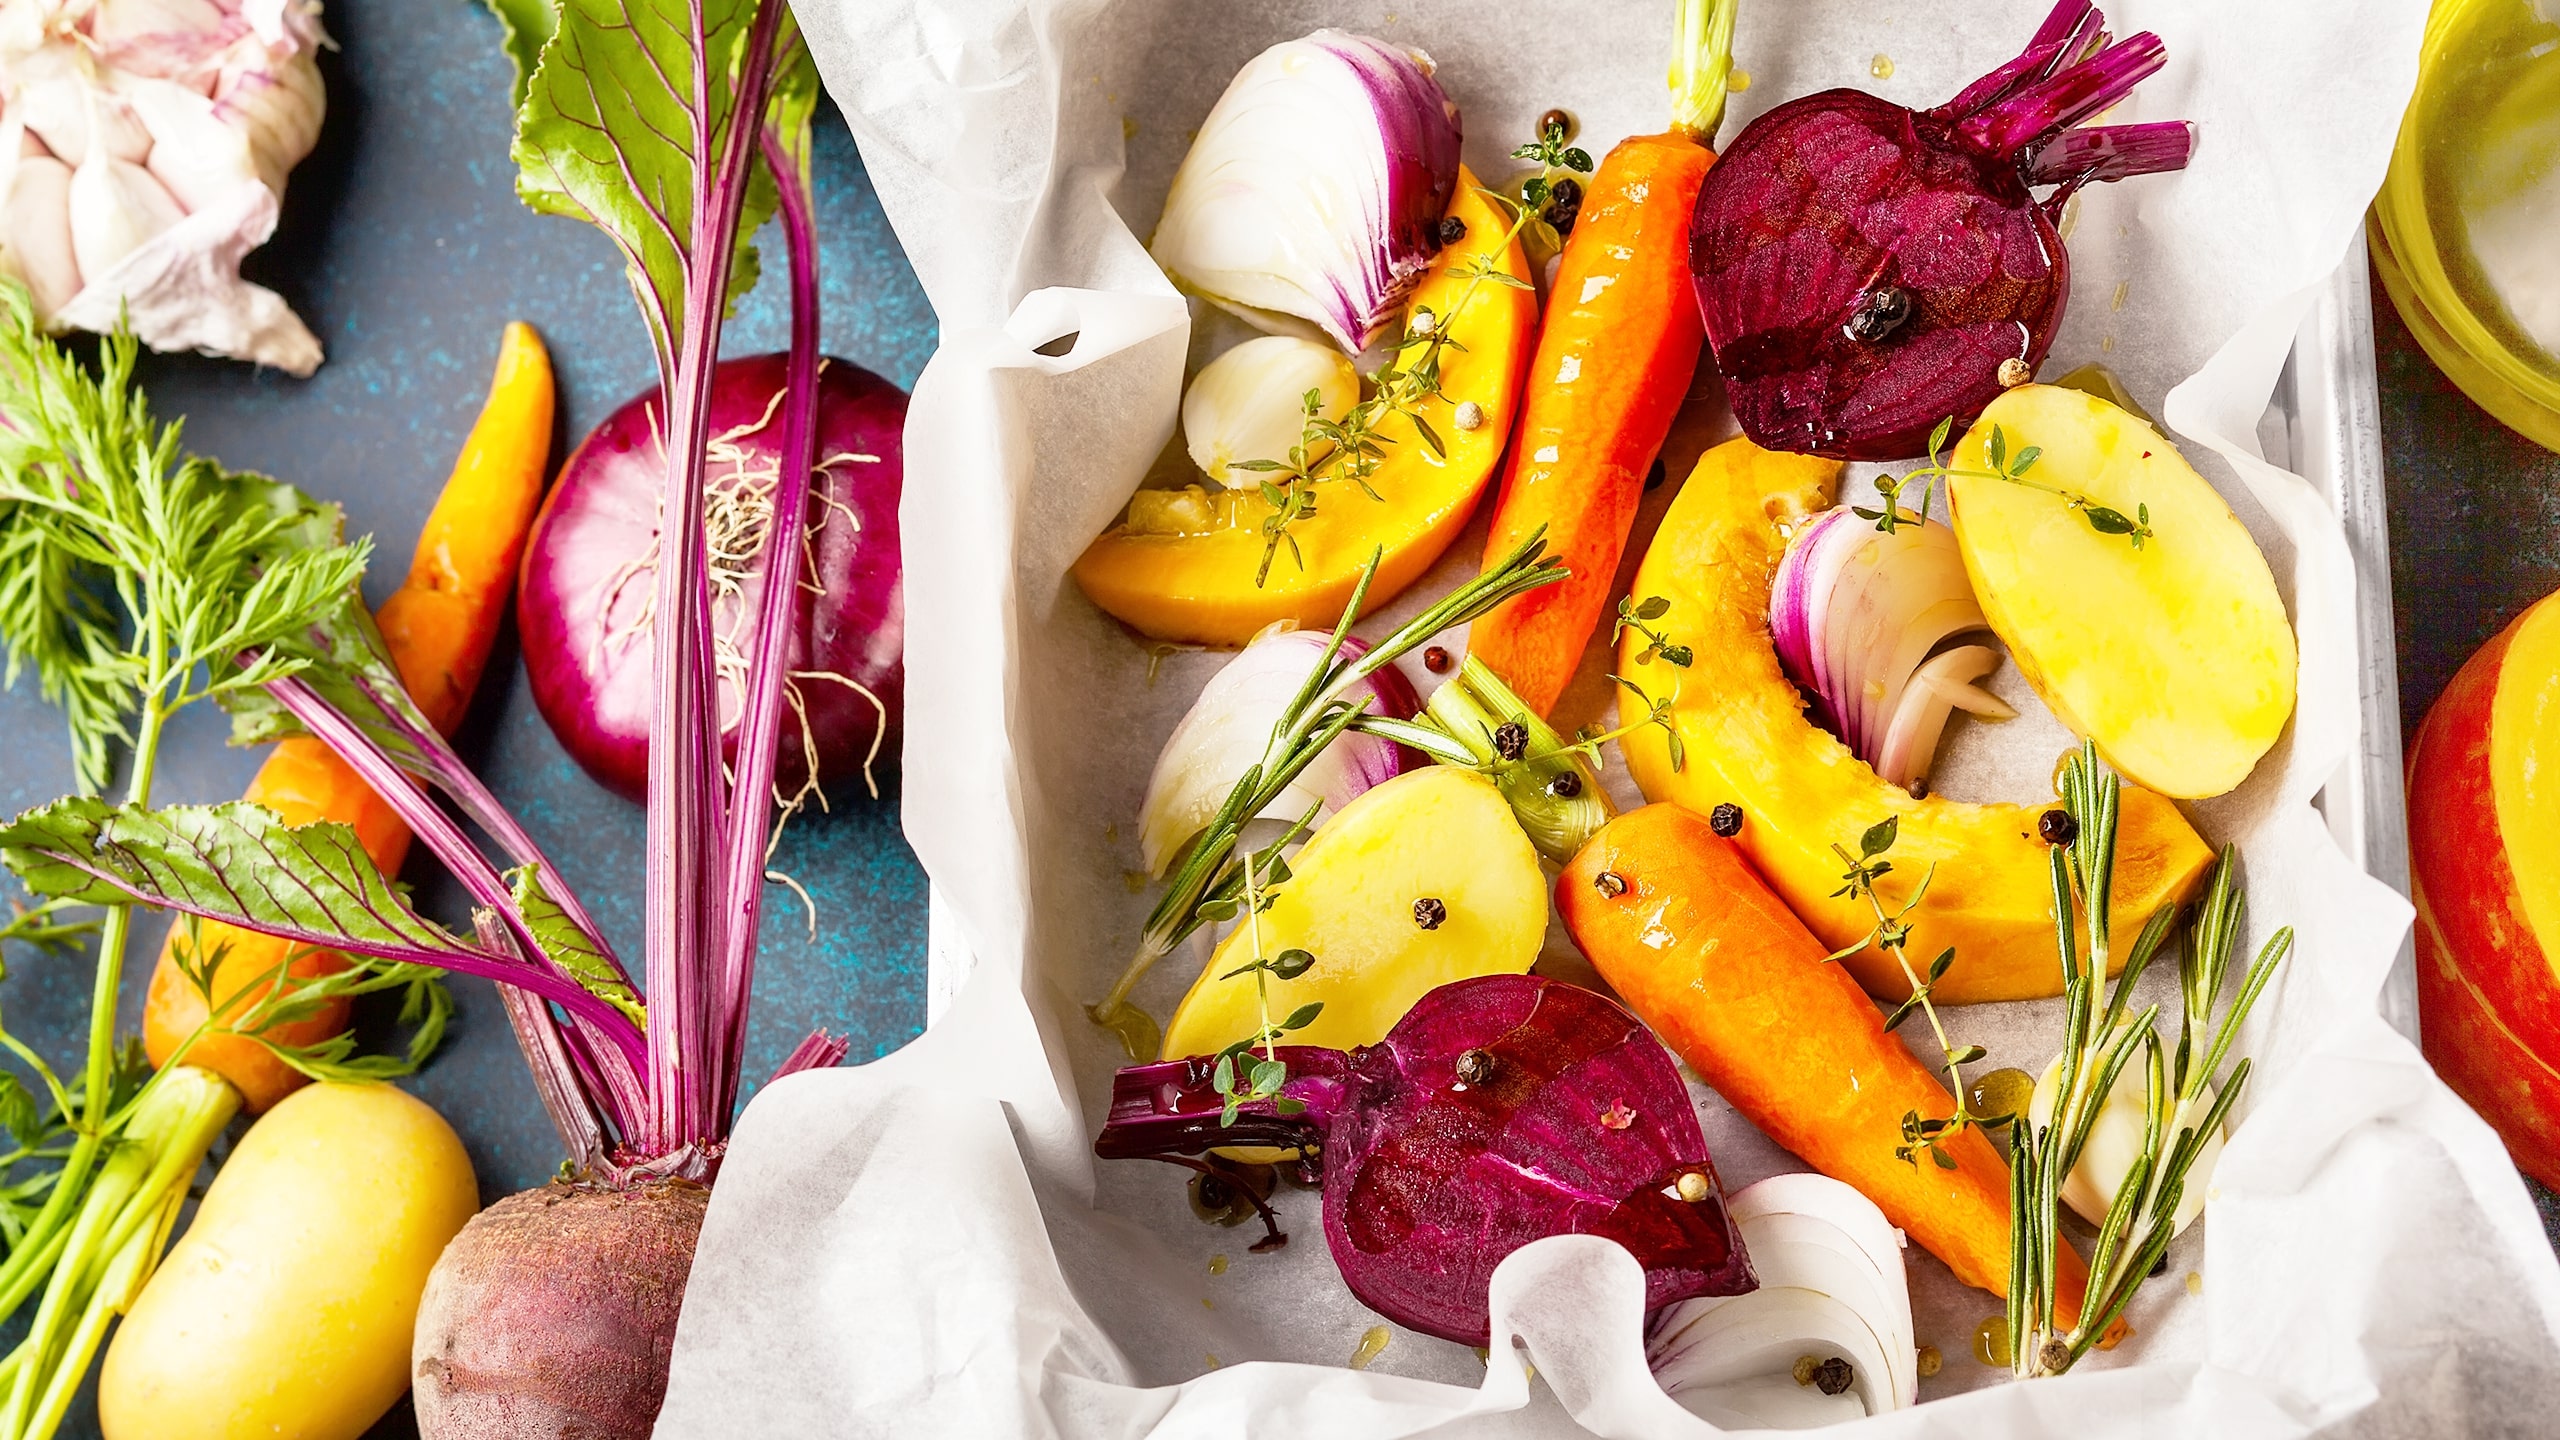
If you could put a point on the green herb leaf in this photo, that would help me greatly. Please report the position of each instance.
(607, 133)
(569, 947)
(1303, 1016)
(239, 863)
(1290, 964)
(1879, 837)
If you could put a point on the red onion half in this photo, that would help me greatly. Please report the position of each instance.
(584, 605)
(1498, 1111)
(1865, 271)
(1857, 617)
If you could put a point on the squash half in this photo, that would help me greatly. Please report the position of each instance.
(1747, 741)
(1198, 588)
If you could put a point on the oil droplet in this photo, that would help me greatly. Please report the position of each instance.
(1373, 1343)
(1136, 880)
(1213, 1361)
(1881, 67)
(1128, 129)
(2005, 1091)
(1991, 1342)
(1136, 1029)
(2195, 1282)
(1931, 1362)
(2107, 345)
(2118, 302)
(1738, 81)
(2096, 379)
(1217, 1264)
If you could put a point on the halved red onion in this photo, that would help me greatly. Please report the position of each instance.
(1857, 616)
(1228, 727)
(1311, 198)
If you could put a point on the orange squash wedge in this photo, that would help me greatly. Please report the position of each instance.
(1195, 585)
(1746, 741)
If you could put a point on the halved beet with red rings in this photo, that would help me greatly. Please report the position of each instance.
(1498, 1111)
(587, 597)
(1866, 271)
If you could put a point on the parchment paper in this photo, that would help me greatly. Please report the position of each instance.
(924, 1247)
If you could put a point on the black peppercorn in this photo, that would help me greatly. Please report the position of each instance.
(1565, 786)
(1452, 230)
(1564, 205)
(1880, 312)
(1610, 884)
(2057, 827)
(1475, 1066)
(1436, 660)
(1558, 121)
(1511, 740)
(1725, 819)
(1833, 1376)
(1429, 911)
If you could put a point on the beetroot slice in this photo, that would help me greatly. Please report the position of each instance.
(1572, 1121)
(1864, 270)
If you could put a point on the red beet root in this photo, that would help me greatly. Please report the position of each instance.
(1500, 1110)
(553, 1314)
(1864, 270)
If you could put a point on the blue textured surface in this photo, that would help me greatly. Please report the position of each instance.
(405, 250)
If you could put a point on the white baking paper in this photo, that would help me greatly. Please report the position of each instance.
(924, 1247)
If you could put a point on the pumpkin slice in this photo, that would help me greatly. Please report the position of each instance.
(1746, 741)
(1187, 575)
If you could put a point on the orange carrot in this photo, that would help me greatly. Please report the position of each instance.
(439, 626)
(1616, 350)
(1677, 921)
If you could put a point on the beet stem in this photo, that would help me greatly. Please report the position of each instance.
(2111, 152)
(2047, 107)
(759, 729)
(2074, 31)
(1172, 1107)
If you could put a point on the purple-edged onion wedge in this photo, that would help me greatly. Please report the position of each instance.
(1310, 201)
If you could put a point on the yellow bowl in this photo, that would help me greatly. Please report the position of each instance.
(2470, 204)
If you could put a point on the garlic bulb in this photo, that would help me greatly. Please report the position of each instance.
(1310, 201)
(1250, 403)
(146, 144)
(2115, 1142)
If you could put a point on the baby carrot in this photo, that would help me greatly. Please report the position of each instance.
(1677, 921)
(439, 626)
(1617, 348)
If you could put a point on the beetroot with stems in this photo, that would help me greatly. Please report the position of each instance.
(554, 1313)
(585, 604)
(1866, 271)
(1499, 1110)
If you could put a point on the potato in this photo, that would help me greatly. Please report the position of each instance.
(1438, 834)
(286, 1309)
(2175, 658)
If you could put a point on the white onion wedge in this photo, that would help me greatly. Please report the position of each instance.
(1831, 1285)
(1228, 727)
(1943, 684)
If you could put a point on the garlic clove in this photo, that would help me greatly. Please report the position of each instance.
(193, 152)
(1249, 403)
(115, 206)
(2115, 1143)
(35, 228)
(278, 102)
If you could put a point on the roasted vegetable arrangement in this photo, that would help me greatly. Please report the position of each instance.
(1466, 964)
(1363, 830)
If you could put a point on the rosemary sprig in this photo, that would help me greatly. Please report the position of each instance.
(1210, 870)
(2185, 1100)
(1892, 934)
(1353, 447)
(1896, 512)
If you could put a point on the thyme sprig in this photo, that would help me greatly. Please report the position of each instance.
(1210, 869)
(1896, 511)
(2186, 1099)
(1634, 614)
(1353, 447)
(1264, 1077)
(1892, 934)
